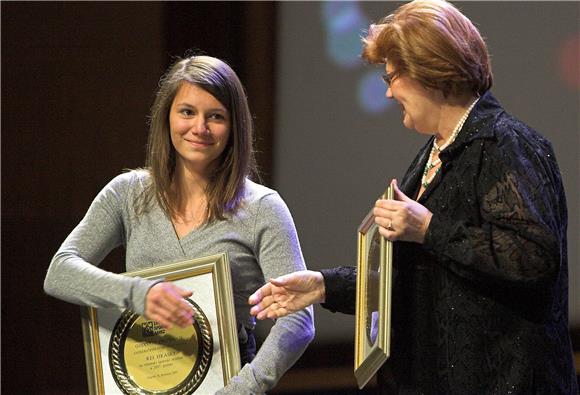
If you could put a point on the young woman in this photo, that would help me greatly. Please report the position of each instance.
(193, 199)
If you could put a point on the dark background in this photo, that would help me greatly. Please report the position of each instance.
(77, 83)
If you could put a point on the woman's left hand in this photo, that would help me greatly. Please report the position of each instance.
(403, 218)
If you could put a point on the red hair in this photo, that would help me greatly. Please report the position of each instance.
(432, 42)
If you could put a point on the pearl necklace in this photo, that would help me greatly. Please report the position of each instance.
(425, 181)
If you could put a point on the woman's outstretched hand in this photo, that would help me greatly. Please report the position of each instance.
(287, 294)
(165, 304)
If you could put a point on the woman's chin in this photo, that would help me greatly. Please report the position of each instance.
(407, 122)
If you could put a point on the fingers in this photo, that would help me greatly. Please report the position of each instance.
(185, 293)
(387, 223)
(385, 215)
(165, 304)
(399, 198)
(403, 219)
(395, 224)
(276, 312)
(271, 300)
(389, 210)
(399, 195)
(262, 292)
(282, 281)
(266, 289)
(386, 212)
(388, 234)
(271, 306)
(287, 294)
(264, 304)
(392, 216)
(273, 311)
(263, 298)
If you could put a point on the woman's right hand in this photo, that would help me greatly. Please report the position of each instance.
(287, 294)
(165, 304)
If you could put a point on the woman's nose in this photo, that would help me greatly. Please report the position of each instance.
(389, 94)
(199, 126)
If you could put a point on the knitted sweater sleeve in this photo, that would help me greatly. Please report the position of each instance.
(278, 253)
(74, 275)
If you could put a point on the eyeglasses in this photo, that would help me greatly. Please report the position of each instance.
(389, 77)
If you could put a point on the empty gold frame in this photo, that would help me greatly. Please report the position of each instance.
(373, 299)
(126, 353)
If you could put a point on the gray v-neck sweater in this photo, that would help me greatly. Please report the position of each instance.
(260, 239)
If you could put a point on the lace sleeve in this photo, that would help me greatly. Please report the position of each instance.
(340, 285)
(517, 238)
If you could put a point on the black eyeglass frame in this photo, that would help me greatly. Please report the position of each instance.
(389, 77)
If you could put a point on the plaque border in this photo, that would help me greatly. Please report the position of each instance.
(218, 266)
(368, 359)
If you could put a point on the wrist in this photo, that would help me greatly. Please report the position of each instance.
(319, 278)
(425, 226)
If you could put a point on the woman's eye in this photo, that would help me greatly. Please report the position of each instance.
(217, 116)
(186, 112)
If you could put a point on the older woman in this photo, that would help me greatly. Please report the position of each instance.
(479, 220)
(193, 199)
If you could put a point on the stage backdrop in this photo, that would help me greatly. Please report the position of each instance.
(77, 83)
(339, 142)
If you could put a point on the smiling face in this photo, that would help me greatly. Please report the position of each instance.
(200, 127)
(420, 106)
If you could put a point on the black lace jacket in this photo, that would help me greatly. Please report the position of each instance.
(482, 306)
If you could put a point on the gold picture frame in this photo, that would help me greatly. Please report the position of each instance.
(373, 299)
(126, 353)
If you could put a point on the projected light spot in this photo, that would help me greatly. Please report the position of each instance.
(569, 61)
(344, 23)
(371, 93)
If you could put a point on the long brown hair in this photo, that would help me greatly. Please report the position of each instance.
(225, 188)
(435, 44)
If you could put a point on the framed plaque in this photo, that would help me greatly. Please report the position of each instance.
(126, 353)
(373, 299)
